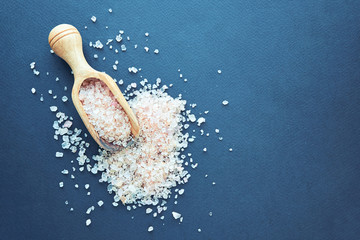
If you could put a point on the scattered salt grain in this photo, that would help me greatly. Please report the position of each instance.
(64, 98)
(181, 191)
(36, 72)
(57, 79)
(32, 65)
(210, 214)
(50, 92)
(76, 185)
(200, 121)
(61, 184)
(230, 149)
(71, 209)
(192, 118)
(123, 48)
(100, 203)
(59, 154)
(53, 108)
(87, 186)
(110, 10)
(176, 215)
(146, 49)
(225, 102)
(96, 56)
(148, 210)
(93, 18)
(219, 71)
(199, 230)
(88, 222)
(213, 183)
(150, 229)
(33, 90)
(114, 67)
(205, 149)
(146, 34)
(133, 69)
(65, 172)
(156, 51)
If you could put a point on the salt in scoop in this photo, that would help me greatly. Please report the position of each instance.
(65, 40)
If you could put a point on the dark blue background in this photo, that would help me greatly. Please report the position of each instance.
(291, 72)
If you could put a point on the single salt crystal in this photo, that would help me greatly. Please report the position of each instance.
(156, 51)
(219, 71)
(176, 215)
(88, 222)
(146, 49)
(133, 85)
(51, 51)
(123, 48)
(64, 98)
(199, 230)
(65, 172)
(192, 118)
(206, 112)
(200, 121)
(230, 149)
(210, 214)
(128, 208)
(50, 92)
(148, 210)
(87, 186)
(65, 88)
(93, 18)
(121, 82)
(88, 193)
(128, 38)
(110, 10)
(98, 45)
(36, 72)
(66, 202)
(118, 38)
(96, 56)
(205, 149)
(121, 31)
(67, 124)
(57, 79)
(217, 130)
(181, 191)
(47, 73)
(61, 184)
(32, 65)
(213, 183)
(181, 75)
(53, 108)
(225, 102)
(114, 67)
(135, 46)
(116, 62)
(59, 154)
(133, 69)
(100, 203)
(71, 209)
(146, 34)
(206, 175)
(150, 229)
(115, 204)
(33, 90)
(76, 185)
(155, 214)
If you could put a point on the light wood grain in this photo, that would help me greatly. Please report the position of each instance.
(65, 40)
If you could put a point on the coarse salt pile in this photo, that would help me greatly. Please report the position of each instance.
(105, 113)
(146, 171)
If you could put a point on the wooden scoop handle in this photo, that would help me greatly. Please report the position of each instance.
(65, 40)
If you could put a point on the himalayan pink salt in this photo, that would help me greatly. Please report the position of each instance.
(145, 171)
(105, 113)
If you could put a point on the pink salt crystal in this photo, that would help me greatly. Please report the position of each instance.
(105, 113)
(67, 124)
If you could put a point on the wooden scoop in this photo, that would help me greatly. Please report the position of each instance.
(66, 42)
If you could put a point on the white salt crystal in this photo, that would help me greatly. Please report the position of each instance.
(156, 51)
(219, 71)
(65, 172)
(205, 149)
(33, 90)
(199, 230)
(64, 98)
(114, 67)
(61, 184)
(123, 48)
(32, 65)
(110, 10)
(59, 154)
(98, 45)
(230, 149)
(118, 38)
(225, 102)
(150, 229)
(57, 79)
(213, 183)
(88, 222)
(96, 56)
(51, 51)
(146, 34)
(87, 186)
(200, 121)
(148, 210)
(50, 92)
(53, 108)
(36, 72)
(100, 203)
(93, 18)
(210, 214)
(217, 130)
(71, 209)
(176, 215)
(181, 191)
(76, 185)
(192, 118)
(146, 49)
